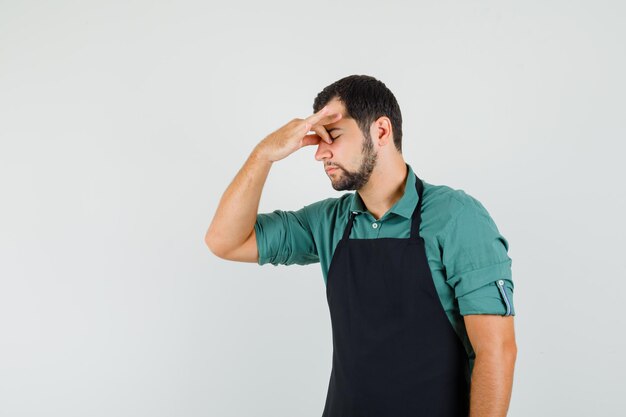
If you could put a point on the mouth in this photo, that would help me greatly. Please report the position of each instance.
(329, 170)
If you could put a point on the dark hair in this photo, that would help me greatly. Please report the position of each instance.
(365, 99)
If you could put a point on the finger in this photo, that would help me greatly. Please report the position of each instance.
(319, 127)
(323, 133)
(331, 118)
(312, 139)
(323, 115)
(315, 117)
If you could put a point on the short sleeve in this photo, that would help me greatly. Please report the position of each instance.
(285, 238)
(476, 262)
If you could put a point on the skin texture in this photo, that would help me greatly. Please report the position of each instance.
(231, 233)
(493, 340)
(344, 179)
(371, 165)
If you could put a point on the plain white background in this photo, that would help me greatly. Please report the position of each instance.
(123, 122)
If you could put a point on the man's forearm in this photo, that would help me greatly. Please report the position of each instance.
(492, 382)
(236, 213)
(237, 210)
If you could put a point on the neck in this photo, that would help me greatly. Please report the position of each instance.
(384, 187)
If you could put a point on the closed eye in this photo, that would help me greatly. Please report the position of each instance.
(335, 137)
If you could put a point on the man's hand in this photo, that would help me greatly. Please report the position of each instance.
(294, 135)
(231, 234)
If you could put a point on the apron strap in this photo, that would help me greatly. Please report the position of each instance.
(416, 219)
(348, 228)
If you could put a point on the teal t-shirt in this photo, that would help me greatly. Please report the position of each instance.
(466, 253)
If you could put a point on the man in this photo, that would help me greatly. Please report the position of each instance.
(417, 276)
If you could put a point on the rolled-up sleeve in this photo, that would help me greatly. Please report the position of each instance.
(476, 261)
(285, 238)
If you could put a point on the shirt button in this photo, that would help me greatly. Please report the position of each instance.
(501, 282)
(374, 225)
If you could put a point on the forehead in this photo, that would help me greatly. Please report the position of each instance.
(337, 106)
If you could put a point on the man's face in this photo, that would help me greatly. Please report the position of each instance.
(351, 154)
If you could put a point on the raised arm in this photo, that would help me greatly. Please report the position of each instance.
(231, 232)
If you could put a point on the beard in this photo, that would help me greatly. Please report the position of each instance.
(356, 180)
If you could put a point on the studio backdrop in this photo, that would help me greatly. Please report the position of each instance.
(122, 123)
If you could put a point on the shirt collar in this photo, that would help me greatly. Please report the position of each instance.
(403, 207)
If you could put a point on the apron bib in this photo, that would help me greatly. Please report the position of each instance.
(395, 353)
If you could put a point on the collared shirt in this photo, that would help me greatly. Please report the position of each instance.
(466, 253)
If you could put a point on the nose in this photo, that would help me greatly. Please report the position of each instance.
(323, 151)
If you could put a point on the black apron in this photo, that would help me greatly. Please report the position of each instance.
(395, 353)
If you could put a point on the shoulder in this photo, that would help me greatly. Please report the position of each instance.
(444, 198)
(448, 204)
(313, 214)
(323, 211)
(331, 203)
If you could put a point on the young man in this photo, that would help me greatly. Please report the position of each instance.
(418, 279)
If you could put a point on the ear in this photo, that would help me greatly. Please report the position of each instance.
(381, 131)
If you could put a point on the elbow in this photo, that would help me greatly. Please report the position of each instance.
(509, 354)
(231, 250)
(213, 246)
(513, 353)
(510, 349)
(503, 353)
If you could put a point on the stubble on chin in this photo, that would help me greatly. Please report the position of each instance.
(335, 181)
(342, 182)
